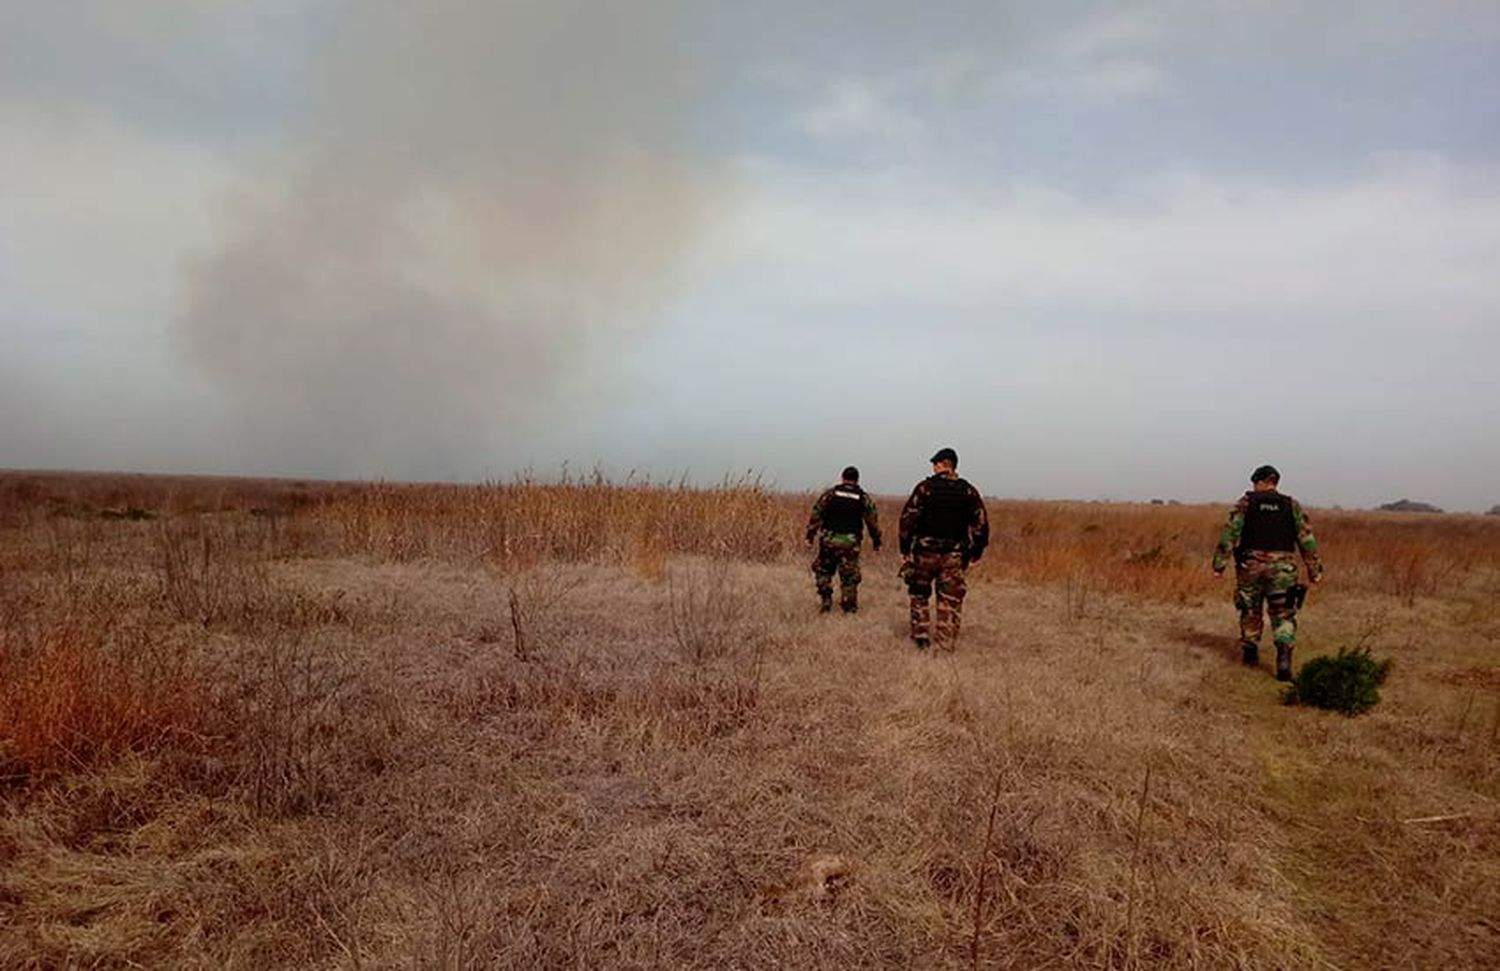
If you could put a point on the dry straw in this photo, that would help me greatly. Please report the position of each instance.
(584, 723)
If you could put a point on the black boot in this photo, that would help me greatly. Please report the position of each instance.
(1249, 653)
(1283, 662)
(849, 602)
(825, 602)
(921, 643)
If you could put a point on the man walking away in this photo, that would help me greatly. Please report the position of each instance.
(837, 524)
(1265, 533)
(944, 528)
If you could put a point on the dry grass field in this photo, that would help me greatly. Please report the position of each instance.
(276, 724)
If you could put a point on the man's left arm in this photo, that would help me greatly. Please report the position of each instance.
(872, 522)
(1307, 543)
(979, 527)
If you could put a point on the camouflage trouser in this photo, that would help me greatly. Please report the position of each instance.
(946, 571)
(1267, 582)
(843, 560)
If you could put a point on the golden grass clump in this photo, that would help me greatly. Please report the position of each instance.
(525, 521)
(78, 690)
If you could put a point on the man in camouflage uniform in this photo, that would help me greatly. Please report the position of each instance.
(837, 525)
(944, 528)
(1265, 533)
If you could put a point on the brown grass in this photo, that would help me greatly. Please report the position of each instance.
(83, 680)
(69, 701)
(583, 724)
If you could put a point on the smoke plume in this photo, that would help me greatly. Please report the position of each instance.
(482, 199)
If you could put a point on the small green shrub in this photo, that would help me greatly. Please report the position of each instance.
(1348, 682)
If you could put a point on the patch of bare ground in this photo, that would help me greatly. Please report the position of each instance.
(536, 726)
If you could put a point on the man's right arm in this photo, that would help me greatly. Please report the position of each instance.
(815, 521)
(1307, 542)
(1229, 536)
(909, 514)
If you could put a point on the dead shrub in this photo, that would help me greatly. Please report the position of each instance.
(704, 610)
(213, 572)
(532, 599)
(287, 710)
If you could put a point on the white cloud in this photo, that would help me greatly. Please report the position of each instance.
(855, 108)
(1112, 32)
(1162, 343)
(1402, 244)
(1102, 82)
(1120, 79)
(1110, 57)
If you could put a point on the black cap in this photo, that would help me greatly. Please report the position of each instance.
(945, 455)
(1265, 472)
(851, 474)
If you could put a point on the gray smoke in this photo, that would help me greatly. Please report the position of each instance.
(483, 199)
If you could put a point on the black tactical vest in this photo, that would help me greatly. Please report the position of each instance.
(844, 510)
(1269, 524)
(947, 510)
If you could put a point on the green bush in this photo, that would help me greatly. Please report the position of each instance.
(1348, 682)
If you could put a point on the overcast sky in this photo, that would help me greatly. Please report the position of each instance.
(1119, 250)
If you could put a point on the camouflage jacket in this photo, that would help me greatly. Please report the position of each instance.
(1307, 544)
(976, 525)
(815, 526)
